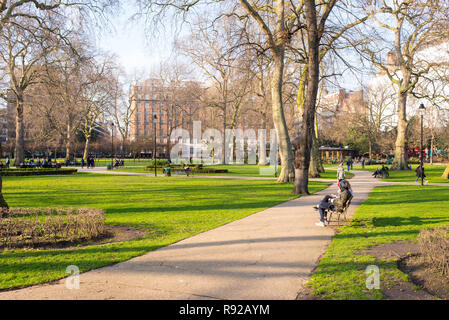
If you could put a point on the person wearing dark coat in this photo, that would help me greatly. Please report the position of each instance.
(420, 174)
(333, 202)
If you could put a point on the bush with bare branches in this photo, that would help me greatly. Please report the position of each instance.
(34, 227)
(434, 245)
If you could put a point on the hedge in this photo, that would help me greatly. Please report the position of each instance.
(36, 172)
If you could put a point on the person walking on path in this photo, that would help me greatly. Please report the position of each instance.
(340, 172)
(348, 164)
(420, 174)
(363, 162)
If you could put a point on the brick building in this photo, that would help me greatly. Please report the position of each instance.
(160, 109)
(342, 102)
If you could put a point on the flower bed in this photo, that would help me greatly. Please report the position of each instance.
(35, 227)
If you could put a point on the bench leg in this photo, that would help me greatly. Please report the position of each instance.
(329, 218)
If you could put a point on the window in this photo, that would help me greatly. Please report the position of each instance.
(147, 96)
(147, 105)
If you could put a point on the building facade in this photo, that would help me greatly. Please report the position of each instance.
(158, 109)
(334, 104)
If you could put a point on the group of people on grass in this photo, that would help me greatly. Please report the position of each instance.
(38, 163)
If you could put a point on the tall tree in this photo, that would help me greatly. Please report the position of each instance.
(407, 28)
(22, 51)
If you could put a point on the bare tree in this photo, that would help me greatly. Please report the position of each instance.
(22, 51)
(409, 27)
(97, 97)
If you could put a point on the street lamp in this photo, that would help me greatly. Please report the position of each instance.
(154, 150)
(421, 110)
(112, 146)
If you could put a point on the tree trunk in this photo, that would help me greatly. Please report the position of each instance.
(68, 143)
(20, 139)
(302, 161)
(314, 170)
(263, 141)
(3, 203)
(285, 147)
(86, 149)
(316, 164)
(446, 173)
(223, 152)
(400, 156)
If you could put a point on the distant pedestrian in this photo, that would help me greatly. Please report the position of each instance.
(420, 174)
(7, 162)
(82, 163)
(340, 172)
(363, 162)
(348, 164)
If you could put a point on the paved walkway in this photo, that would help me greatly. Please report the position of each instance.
(268, 255)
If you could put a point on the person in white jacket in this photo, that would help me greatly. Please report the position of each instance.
(340, 172)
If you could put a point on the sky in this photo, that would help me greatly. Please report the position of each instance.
(129, 42)
(139, 50)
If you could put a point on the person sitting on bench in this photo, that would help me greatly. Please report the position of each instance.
(377, 173)
(187, 169)
(333, 202)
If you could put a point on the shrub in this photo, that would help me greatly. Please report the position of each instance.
(36, 172)
(434, 245)
(31, 227)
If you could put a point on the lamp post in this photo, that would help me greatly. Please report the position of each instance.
(112, 146)
(421, 112)
(154, 150)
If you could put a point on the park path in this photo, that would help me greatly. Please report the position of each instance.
(268, 255)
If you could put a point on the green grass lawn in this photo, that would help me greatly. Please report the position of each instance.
(392, 213)
(237, 170)
(171, 209)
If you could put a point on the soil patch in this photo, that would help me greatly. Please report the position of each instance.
(112, 234)
(426, 284)
(431, 280)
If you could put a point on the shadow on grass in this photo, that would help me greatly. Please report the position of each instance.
(407, 221)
